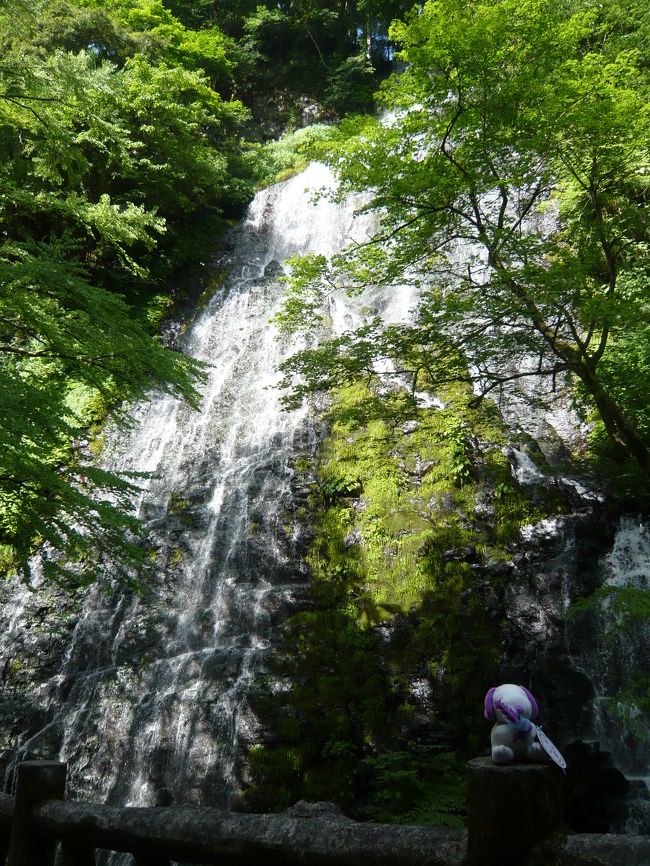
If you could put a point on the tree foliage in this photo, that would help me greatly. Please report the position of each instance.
(331, 53)
(122, 150)
(112, 149)
(511, 183)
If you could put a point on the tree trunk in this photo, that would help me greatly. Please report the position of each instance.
(618, 426)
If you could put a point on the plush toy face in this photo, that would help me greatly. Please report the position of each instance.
(508, 703)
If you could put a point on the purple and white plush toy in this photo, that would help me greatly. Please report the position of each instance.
(513, 735)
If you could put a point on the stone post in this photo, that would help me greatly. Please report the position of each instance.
(511, 809)
(36, 782)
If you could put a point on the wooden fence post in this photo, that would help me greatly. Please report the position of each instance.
(511, 809)
(36, 782)
(142, 860)
(77, 853)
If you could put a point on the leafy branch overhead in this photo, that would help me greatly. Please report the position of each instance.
(106, 166)
(511, 181)
(123, 153)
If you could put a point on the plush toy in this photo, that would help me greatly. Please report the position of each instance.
(513, 735)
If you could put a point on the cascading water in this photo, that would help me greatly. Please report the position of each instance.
(627, 566)
(618, 665)
(149, 705)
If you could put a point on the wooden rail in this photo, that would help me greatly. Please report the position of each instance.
(316, 834)
(511, 811)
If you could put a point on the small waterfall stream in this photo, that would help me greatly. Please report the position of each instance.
(626, 566)
(619, 655)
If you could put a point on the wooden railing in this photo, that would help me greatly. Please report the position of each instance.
(39, 819)
(511, 811)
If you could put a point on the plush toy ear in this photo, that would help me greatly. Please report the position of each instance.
(532, 700)
(489, 704)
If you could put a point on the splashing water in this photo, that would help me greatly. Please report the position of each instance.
(628, 563)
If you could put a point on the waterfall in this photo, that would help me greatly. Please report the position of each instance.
(149, 702)
(623, 653)
(149, 698)
(616, 656)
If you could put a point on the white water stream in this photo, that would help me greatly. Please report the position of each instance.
(620, 664)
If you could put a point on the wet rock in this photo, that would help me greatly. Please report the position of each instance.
(595, 792)
(460, 554)
(353, 538)
(638, 808)
(222, 666)
(600, 850)
(447, 502)
(273, 270)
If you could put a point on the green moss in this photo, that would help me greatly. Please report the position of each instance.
(397, 540)
(16, 664)
(177, 504)
(216, 281)
(288, 173)
(97, 438)
(147, 659)
(303, 465)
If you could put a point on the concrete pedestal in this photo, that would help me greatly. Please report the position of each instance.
(511, 810)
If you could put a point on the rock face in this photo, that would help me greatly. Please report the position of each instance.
(596, 793)
(572, 669)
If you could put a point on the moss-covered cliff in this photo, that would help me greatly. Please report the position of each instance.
(375, 697)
